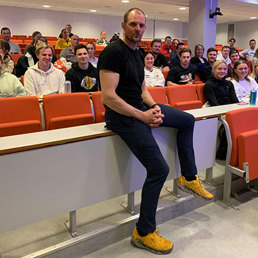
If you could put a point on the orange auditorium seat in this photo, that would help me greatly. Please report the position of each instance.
(27, 41)
(15, 57)
(99, 109)
(22, 37)
(17, 41)
(199, 89)
(165, 73)
(250, 67)
(242, 134)
(158, 94)
(22, 79)
(66, 110)
(197, 79)
(183, 97)
(19, 115)
(51, 38)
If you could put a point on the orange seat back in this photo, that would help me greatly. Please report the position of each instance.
(65, 110)
(200, 95)
(165, 74)
(22, 79)
(158, 94)
(197, 78)
(240, 121)
(99, 109)
(15, 57)
(184, 94)
(19, 115)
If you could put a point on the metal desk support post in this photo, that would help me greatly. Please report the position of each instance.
(130, 207)
(71, 223)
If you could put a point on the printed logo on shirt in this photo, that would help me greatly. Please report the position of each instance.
(88, 82)
(186, 78)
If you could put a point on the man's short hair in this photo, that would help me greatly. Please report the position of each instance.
(168, 37)
(225, 47)
(179, 44)
(233, 51)
(80, 46)
(210, 49)
(154, 41)
(5, 28)
(251, 40)
(91, 43)
(130, 10)
(68, 25)
(232, 39)
(149, 52)
(185, 50)
(41, 39)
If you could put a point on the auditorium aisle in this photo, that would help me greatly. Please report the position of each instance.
(212, 231)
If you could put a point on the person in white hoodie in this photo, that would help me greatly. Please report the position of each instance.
(43, 78)
(10, 86)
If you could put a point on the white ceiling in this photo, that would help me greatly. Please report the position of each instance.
(232, 10)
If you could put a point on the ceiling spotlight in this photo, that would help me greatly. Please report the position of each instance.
(252, 18)
(46, 5)
(175, 19)
(93, 11)
(125, 1)
(182, 8)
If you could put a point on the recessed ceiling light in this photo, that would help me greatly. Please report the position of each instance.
(182, 8)
(46, 5)
(146, 15)
(175, 19)
(93, 11)
(125, 1)
(252, 17)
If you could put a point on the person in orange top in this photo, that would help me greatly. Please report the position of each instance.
(167, 47)
(64, 41)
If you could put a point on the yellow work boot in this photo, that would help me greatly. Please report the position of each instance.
(193, 187)
(152, 242)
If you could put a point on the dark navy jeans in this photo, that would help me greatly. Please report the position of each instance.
(139, 138)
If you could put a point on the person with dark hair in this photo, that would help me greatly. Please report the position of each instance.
(204, 70)
(176, 60)
(167, 47)
(30, 58)
(249, 53)
(255, 58)
(232, 42)
(64, 41)
(234, 57)
(83, 75)
(114, 37)
(91, 48)
(35, 35)
(198, 55)
(102, 41)
(68, 53)
(10, 86)
(43, 78)
(7, 62)
(6, 35)
(131, 113)
(68, 27)
(184, 73)
(173, 53)
(160, 60)
(153, 76)
(242, 82)
(224, 55)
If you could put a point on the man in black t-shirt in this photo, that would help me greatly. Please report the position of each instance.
(131, 113)
(160, 60)
(183, 73)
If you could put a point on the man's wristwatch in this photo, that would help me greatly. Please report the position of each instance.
(153, 106)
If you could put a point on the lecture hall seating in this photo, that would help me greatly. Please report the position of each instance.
(99, 109)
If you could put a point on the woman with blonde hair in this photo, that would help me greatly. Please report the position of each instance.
(217, 89)
(255, 71)
(242, 82)
(43, 78)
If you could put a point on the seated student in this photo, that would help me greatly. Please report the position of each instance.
(8, 63)
(10, 86)
(249, 53)
(255, 71)
(91, 48)
(43, 78)
(83, 75)
(35, 35)
(30, 58)
(6, 35)
(68, 53)
(198, 55)
(224, 55)
(217, 89)
(176, 60)
(153, 75)
(64, 41)
(205, 69)
(102, 41)
(232, 42)
(255, 58)
(160, 60)
(173, 51)
(242, 82)
(167, 47)
(234, 57)
(184, 73)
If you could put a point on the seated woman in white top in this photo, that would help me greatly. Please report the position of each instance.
(243, 83)
(43, 78)
(10, 86)
(153, 75)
